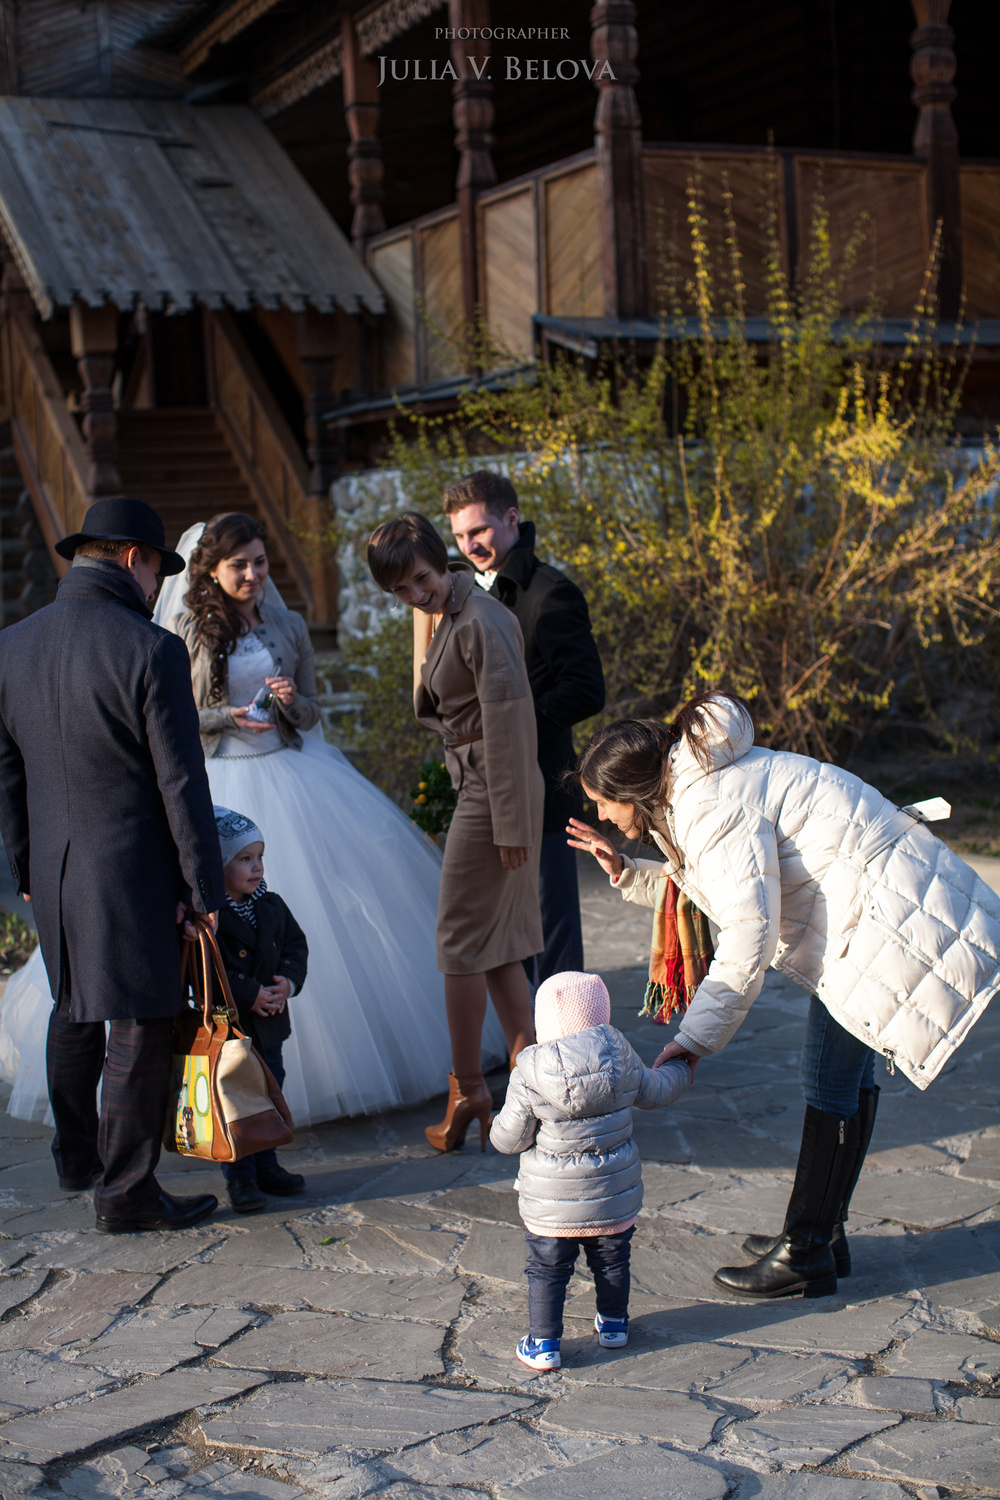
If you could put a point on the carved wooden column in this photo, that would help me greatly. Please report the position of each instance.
(316, 336)
(935, 140)
(94, 336)
(618, 133)
(364, 154)
(472, 114)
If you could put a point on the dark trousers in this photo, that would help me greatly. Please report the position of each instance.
(550, 1265)
(134, 1058)
(834, 1065)
(245, 1170)
(559, 899)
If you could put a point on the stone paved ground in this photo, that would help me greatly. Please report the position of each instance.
(360, 1340)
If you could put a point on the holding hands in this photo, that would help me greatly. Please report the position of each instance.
(582, 836)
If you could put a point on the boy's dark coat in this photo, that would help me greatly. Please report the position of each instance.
(105, 806)
(254, 956)
(564, 665)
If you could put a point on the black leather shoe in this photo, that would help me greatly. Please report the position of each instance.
(245, 1196)
(280, 1183)
(756, 1245)
(801, 1265)
(170, 1213)
(82, 1183)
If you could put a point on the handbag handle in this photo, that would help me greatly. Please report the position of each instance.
(208, 953)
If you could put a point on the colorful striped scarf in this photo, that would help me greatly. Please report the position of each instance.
(680, 955)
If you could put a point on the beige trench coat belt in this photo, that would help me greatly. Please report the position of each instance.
(463, 739)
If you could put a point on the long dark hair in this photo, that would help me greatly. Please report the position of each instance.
(219, 623)
(628, 761)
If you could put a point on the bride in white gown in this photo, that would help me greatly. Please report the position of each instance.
(369, 1030)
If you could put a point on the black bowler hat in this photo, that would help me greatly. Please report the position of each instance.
(122, 519)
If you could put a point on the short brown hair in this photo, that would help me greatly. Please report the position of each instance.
(395, 546)
(484, 487)
(113, 550)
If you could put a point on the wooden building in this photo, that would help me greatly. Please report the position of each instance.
(237, 232)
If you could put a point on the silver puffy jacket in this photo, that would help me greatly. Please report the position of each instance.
(569, 1112)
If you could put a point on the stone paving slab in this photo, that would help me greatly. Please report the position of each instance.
(803, 1435)
(950, 1453)
(911, 1199)
(507, 1453)
(434, 1299)
(495, 1251)
(101, 1291)
(945, 1356)
(627, 1473)
(401, 1252)
(667, 1417)
(19, 1481)
(30, 1382)
(802, 1486)
(895, 1393)
(317, 1417)
(149, 1252)
(476, 1202)
(156, 1340)
(12, 1252)
(18, 1289)
(312, 1343)
(978, 1409)
(72, 1429)
(49, 1331)
(983, 1160)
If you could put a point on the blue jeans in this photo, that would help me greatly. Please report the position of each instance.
(245, 1170)
(550, 1265)
(834, 1065)
(559, 899)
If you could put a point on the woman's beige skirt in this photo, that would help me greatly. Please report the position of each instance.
(487, 916)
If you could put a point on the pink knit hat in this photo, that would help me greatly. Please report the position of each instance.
(570, 1002)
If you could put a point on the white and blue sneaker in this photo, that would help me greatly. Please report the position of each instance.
(611, 1333)
(539, 1354)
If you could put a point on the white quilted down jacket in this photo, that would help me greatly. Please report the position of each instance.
(805, 868)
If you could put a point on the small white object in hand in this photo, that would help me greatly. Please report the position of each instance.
(933, 810)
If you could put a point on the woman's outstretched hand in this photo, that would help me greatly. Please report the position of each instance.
(674, 1049)
(513, 857)
(582, 836)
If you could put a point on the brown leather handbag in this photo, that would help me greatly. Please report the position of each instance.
(224, 1100)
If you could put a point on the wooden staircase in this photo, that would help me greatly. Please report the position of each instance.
(179, 461)
(189, 463)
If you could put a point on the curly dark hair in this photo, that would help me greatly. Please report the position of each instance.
(219, 622)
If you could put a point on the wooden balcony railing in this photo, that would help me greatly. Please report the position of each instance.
(47, 442)
(271, 462)
(540, 246)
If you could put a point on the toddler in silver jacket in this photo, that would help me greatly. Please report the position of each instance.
(568, 1112)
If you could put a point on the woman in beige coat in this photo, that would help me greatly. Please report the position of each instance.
(471, 687)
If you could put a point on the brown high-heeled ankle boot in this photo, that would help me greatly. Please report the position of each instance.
(468, 1099)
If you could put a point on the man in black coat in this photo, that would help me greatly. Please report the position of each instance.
(107, 819)
(564, 670)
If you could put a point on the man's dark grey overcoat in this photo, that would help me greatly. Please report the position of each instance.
(105, 807)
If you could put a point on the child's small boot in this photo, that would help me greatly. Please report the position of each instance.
(612, 1333)
(539, 1354)
(245, 1196)
(281, 1184)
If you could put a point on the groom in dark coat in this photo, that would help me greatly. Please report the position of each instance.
(107, 819)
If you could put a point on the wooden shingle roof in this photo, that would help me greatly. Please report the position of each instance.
(169, 204)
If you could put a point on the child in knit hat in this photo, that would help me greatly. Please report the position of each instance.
(568, 1112)
(265, 954)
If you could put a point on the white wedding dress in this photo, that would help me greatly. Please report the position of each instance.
(369, 1029)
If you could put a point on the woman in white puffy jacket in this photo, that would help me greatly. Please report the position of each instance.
(804, 868)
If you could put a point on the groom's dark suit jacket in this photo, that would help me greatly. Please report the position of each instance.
(105, 807)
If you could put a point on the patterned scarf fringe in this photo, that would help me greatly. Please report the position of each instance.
(680, 954)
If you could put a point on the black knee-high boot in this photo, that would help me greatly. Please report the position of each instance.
(802, 1262)
(756, 1245)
